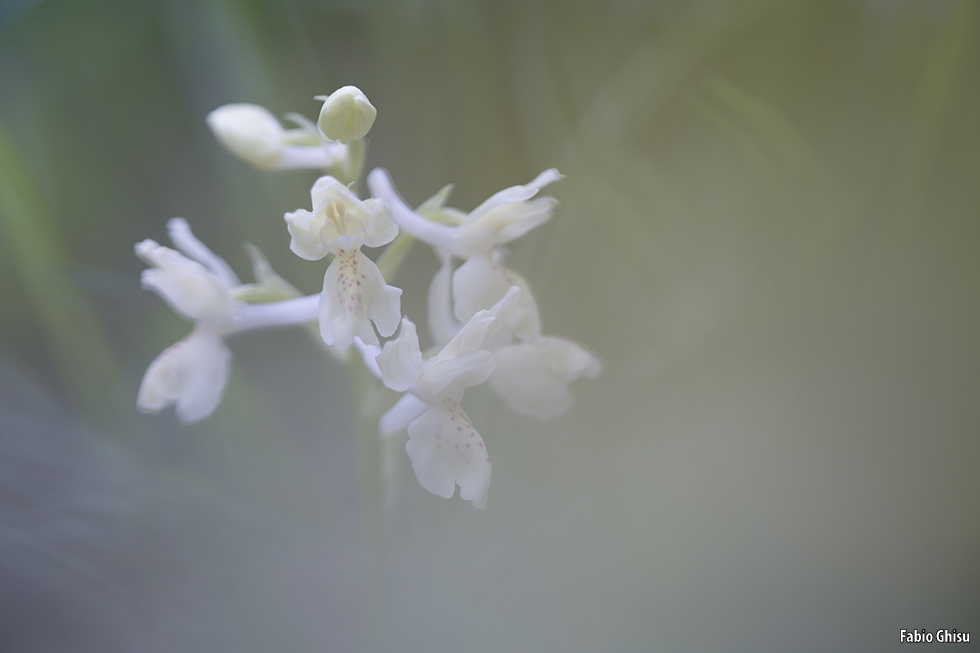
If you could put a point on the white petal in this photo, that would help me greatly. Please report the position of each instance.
(339, 220)
(250, 132)
(304, 232)
(378, 228)
(186, 285)
(400, 362)
(479, 283)
(533, 377)
(191, 374)
(505, 223)
(463, 362)
(185, 240)
(326, 189)
(464, 370)
(446, 450)
(507, 215)
(401, 415)
(354, 292)
(516, 193)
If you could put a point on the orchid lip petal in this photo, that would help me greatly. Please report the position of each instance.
(354, 295)
(191, 374)
(446, 451)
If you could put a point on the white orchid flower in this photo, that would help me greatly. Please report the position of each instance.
(532, 375)
(354, 290)
(193, 372)
(444, 447)
(201, 287)
(482, 279)
(252, 133)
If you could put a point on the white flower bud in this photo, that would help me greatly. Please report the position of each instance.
(347, 115)
(250, 132)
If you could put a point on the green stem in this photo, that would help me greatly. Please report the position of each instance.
(373, 516)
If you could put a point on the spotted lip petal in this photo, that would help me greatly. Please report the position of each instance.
(191, 374)
(444, 447)
(354, 295)
(446, 450)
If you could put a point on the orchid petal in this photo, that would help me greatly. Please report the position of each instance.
(186, 285)
(515, 194)
(185, 240)
(400, 362)
(533, 377)
(338, 221)
(467, 369)
(304, 231)
(446, 450)
(250, 132)
(480, 283)
(191, 374)
(354, 292)
(504, 223)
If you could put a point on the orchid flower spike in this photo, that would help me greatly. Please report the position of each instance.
(444, 447)
(354, 290)
(252, 133)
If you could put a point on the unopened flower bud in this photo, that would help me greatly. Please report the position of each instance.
(347, 115)
(250, 132)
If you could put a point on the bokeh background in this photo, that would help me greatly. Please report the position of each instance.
(769, 234)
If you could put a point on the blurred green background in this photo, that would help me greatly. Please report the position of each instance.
(769, 234)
